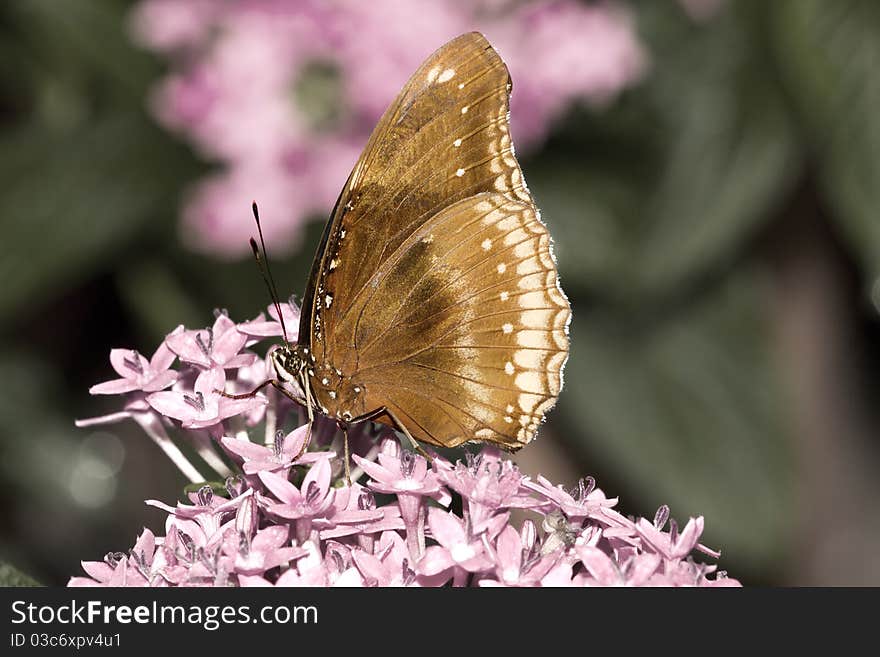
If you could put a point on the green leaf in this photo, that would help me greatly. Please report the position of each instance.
(828, 52)
(10, 576)
(686, 408)
(155, 296)
(72, 202)
(82, 40)
(665, 186)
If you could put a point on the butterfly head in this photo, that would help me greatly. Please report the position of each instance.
(290, 361)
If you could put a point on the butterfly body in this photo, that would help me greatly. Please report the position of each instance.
(433, 303)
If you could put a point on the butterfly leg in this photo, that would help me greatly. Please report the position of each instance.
(278, 385)
(310, 412)
(344, 428)
(252, 393)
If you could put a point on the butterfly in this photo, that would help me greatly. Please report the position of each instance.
(433, 305)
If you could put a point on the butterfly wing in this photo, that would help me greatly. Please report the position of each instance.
(450, 117)
(473, 337)
(440, 153)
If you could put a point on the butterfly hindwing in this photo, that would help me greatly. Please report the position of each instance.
(473, 340)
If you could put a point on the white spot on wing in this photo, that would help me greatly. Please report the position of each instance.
(446, 75)
(464, 110)
(533, 340)
(528, 381)
(486, 244)
(502, 268)
(529, 358)
(508, 367)
(457, 143)
(507, 328)
(459, 173)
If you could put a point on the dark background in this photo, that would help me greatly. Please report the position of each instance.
(716, 229)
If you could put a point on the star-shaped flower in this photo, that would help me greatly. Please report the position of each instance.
(458, 547)
(204, 406)
(216, 347)
(263, 328)
(312, 500)
(281, 455)
(138, 373)
(585, 501)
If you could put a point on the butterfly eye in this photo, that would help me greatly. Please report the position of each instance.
(283, 365)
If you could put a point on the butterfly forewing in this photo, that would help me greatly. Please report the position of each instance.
(434, 290)
(409, 170)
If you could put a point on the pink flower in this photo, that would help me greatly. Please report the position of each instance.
(459, 549)
(203, 519)
(267, 549)
(406, 475)
(262, 328)
(172, 24)
(603, 571)
(204, 406)
(313, 500)
(281, 455)
(389, 566)
(215, 213)
(488, 484)
(137, 372)
(583, 502)
(672, 545)
(358, 516)
(518, 558)
(118, 569)
(214, 347)
(354, 511)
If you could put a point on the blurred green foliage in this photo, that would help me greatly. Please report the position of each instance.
(660, 206)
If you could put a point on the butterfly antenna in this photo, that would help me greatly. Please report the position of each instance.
(265, 272)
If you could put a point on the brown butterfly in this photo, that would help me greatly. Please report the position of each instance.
(433, 304)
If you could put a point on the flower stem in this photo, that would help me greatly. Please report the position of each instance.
(150, 423)
(205, 449)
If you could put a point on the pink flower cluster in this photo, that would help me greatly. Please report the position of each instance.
(284, 94)
(287, 517)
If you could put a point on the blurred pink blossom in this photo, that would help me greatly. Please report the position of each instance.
(283, 95)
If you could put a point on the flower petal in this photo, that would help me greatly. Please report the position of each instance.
(172, 404)
(435, 560)
(161, 381)
(280, 487)
(114, 387)
(446, 528)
